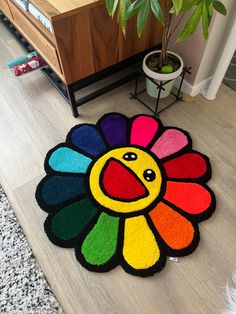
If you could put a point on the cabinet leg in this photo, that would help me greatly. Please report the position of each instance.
(71, 97)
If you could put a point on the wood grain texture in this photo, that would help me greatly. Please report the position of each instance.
(35, 118)
(130, 44)
(57, 9)
(104, 34)
(19, 157)
(5, 8)
(91, 41)
(74, 44)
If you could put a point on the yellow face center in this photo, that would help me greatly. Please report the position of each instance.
(125, 180)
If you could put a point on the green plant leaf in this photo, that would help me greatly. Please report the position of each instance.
(133, 8)
(114, 7)
(205, 19)
(186, 5)
(122, 14)
(210, 8)
(177, 5)
(143, 16)
(219, 7)
(191, 24)
(189, 4)
(157, 10)
(111, 6)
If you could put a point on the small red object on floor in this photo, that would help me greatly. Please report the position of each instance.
(29, 66)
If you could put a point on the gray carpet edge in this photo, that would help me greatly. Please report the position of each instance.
(23, 286)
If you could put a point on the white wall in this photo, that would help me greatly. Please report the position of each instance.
(216, 42)
(204, 56)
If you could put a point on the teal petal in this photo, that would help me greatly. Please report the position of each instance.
(65, 159)
(59, 189)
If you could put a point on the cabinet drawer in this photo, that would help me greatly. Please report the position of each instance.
(38, 41)
(5, 8)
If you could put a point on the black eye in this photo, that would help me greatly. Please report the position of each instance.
(149, 175)
(130, 156)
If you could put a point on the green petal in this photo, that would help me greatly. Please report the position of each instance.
(71, 220)
(100, 245)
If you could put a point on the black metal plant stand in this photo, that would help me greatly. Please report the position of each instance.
(160, 86)
(68, 91)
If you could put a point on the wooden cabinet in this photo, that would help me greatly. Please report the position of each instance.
(85, 40)
(5, 8)
(36, 38)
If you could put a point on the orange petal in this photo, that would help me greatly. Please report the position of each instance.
(175, 230)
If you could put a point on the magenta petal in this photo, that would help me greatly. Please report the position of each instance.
(143, 130)
(170, 142)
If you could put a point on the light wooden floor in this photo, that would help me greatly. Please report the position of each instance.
(34, 118)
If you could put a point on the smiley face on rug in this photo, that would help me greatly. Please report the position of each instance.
(125, 180)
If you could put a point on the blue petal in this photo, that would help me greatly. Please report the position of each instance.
(59, 189)
(87, 138)
(65, 159)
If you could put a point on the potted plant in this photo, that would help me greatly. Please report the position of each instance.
(164, 65)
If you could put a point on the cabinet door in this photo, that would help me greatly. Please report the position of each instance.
(4, 7)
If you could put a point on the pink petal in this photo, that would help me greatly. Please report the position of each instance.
(170, 142)
(143, 130)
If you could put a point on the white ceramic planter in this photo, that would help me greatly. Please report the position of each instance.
(151, 87)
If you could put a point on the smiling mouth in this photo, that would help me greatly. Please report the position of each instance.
(120, 183)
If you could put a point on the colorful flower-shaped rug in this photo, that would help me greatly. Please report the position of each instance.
(126, 191)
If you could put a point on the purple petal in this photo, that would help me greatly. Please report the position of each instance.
(115, 129)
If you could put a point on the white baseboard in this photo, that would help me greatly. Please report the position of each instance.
(193, 90)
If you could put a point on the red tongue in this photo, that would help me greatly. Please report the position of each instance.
(120, 183)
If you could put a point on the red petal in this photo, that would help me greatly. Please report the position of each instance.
(190, 197)
(190, 165)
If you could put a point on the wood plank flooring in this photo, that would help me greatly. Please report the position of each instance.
(34, 118)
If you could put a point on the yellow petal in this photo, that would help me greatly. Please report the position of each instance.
(140, 248)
